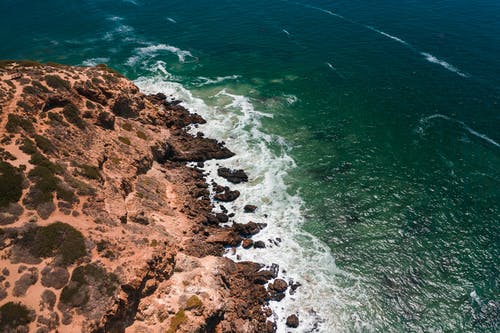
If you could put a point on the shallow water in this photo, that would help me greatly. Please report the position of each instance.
(370, 131)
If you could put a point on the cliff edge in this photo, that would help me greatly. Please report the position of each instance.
(103, 225)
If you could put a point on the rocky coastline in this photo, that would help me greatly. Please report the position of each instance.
(104, 227)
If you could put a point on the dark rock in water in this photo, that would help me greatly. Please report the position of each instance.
(280, 285)
(249, 208)
(234, 176)
(218, 188)
(247, 243)
(106, 120)
(292, 321)
(248, 229)
(160, 96)
(223, 218)
(259, 245)
(188, 148)
(227, 195)
(262, 277)
(270, 327)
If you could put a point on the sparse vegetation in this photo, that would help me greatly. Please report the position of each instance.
(72, 115)
(10, 184)
(193, 303)
(124, 140)
(176, 321)
(127, 126)
(76, 293)
(55, 117)
(22, 63)
(57, 82)
(30, 90)
(27, 146)
(56, 239)
(13, 315)
(25, 107)
(81, 188)
(142, 135)
(44, 144)
(14, 122)
(90, 171)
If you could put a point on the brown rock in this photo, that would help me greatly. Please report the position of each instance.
(280, 285)
(249, 208)
(259, 245)
(247, 243)
(225, 236)
(248, 229)
(292, 321)
(234, 176)
(227, 195)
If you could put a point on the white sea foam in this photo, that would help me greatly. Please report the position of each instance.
(115, 18)
(397, 39)
(286, 32)
(171, 20)
(429, 57)
(95, 61)
(152, 50)
(319, 302)
(461, 123)
(334, 69)
(204, 81)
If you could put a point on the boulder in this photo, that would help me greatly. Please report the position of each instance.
(226, 236)
(234, 176)
(249, 208)
(106, 120)
(292, 321)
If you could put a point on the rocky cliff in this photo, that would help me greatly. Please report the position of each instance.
(103, 226)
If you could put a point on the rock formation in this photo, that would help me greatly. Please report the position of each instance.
(103, 226)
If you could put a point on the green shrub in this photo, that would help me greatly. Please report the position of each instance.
(72, 115)
(142, 135)
(56, 239)
(57, 82)
(39, 86)
(81, 188)
(177, 320)
(89, 105)
(14, 121)
(27, 146)
(90, 171)
(85, 276)
(30, 90)
(38, 159)
(127, 126)
(55, 117)
(25, 107)
(13, 315)
(11, 182)
(193, 303)
(66, 194)
(44, 144)
(124, 140)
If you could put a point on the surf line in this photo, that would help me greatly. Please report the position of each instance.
(427, 56)
(464, 125)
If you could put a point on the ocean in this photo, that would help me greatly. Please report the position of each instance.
(370, 131)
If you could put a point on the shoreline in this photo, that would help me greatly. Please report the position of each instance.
(123, 139)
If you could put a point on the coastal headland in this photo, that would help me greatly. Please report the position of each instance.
(106, 218)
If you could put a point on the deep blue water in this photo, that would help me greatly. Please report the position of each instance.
(390, 110)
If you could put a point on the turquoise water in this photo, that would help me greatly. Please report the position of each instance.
(389, 110)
